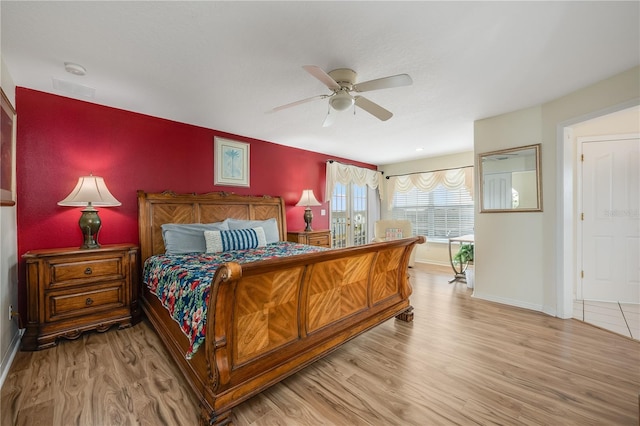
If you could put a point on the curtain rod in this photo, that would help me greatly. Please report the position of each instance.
(340, 162)
(430, 171)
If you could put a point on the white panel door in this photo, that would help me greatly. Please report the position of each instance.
(497, 191)
(611, 223)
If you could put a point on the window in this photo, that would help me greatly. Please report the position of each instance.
(437, 214)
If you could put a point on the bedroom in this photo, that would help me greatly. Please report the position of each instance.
(118, 143)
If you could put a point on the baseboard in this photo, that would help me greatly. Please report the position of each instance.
(506, 301)
(551, 311)
(14, 346)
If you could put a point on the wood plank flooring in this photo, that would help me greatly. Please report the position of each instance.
(462, 361)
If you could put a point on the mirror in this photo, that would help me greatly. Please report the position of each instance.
(510, 180)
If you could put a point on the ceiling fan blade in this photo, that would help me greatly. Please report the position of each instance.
(303, 101)
(384, 83)
(319, 73)
(373, 108)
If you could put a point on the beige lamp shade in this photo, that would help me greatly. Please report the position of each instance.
(90, 191)
(307, 199)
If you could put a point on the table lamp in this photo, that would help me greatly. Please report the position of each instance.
(89, 192)
(307, 200)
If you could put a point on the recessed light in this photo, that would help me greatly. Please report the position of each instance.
(419, 149)
(74, 69)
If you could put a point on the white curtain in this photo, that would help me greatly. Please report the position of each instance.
(346, 174)
(428, 181)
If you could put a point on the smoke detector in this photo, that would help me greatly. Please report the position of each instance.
(74, 69)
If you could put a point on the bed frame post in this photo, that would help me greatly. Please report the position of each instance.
(407, 315)
(208, 418)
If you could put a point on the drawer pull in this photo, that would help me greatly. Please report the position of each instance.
(88, 271)
(89, 301)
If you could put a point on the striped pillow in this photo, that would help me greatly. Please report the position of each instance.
(237, 239)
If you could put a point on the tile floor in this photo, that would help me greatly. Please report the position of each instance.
(621, 318)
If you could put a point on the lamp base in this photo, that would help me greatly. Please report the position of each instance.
(308, 217)
(90, 224)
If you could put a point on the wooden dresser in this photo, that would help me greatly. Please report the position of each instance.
(312, 238)
(72, 290)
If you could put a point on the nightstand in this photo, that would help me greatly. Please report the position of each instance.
(72, 290)
(312, 238)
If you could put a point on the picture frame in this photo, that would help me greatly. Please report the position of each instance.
(7, 151)
(231, 162)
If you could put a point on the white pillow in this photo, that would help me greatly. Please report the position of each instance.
(237, 239)
(270, 227)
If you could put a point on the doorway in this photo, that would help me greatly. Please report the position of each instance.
(349, 215)
(622, 119)
(608, 287)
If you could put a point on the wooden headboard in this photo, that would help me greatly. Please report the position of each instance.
(155, 209)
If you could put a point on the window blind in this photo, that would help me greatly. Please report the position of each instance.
(438, 214)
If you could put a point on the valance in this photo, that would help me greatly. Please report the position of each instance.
(428, 181)
(347, 174)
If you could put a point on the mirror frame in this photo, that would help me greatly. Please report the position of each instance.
(538, 178)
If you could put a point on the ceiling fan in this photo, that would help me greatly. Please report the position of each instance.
(342, 82)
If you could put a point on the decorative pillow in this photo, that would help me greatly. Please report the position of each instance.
(181, 238)
(237, 239)
(393, 234)
(270, 227)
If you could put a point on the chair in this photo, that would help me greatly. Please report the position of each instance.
(392, 229)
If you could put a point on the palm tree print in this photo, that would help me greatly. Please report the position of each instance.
(232, 163)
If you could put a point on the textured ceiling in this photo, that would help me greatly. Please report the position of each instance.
(225, 65)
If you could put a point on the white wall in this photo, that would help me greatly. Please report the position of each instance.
(623, 122)
(508, 260)
(435, 253)
(519, 256)
(9, 333)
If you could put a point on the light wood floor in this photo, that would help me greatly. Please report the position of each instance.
(462, 361)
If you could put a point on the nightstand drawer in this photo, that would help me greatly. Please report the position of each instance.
(322, 240)
(311, 238)
(65, 304)
(69, 271)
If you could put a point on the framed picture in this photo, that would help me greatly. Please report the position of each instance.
(231, 162)
(7, 152)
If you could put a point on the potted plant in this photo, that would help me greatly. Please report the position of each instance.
(464, 254)
(463, 257)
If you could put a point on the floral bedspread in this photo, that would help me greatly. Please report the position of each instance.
(182, 282)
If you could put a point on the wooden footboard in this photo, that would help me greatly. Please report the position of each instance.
(266, 320)
(269, 319)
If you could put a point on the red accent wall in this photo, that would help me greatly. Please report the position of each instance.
(60, 139)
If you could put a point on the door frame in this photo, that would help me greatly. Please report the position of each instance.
(567, 211)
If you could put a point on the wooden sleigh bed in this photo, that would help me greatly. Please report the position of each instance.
(268, 319)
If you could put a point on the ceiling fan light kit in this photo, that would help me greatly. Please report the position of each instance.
(341, 101)
(342, 82)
